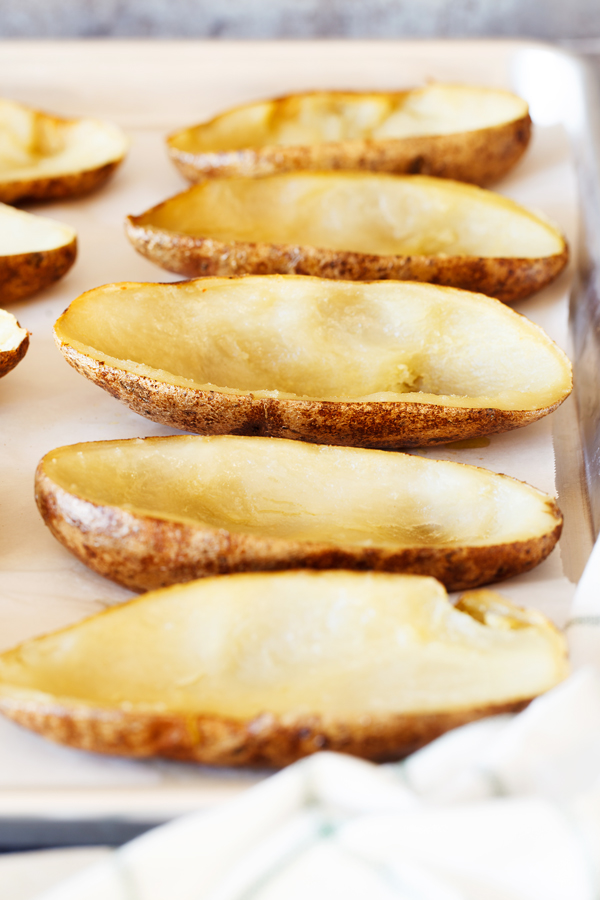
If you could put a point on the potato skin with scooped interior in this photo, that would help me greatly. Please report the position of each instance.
(353, 226)
(138, 545)
(56, 158)
(155, 361)
(34, 252)
(254, 140)
(214, 701)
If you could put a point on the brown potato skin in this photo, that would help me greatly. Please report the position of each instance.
(479, 157)
(144, 553)
(57, 187)
(265, 740)
(385, 425)
(505, 279)
(10, 358)
(24, 274)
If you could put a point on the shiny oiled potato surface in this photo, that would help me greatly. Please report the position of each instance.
(339, 644)
(299, 337)
(295, 491)
(345, 116)
(360, 212)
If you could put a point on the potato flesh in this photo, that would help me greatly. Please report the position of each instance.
(284, 489)
(11, 334)
(21, 232)
(299, 337)
(337, 643)
(359, 212)
(35, 145)
(321, 117)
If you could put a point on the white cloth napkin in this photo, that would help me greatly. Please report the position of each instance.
(507, 808)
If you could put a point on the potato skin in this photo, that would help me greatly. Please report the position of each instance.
(61, 185)
(10, 358)
(57, 187)
(144, 553)
(385, 425)
(266, 740)
(506, 279)
(480, 157)
(24, 274)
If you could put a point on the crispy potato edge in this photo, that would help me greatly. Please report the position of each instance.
(265, 740)
(24, 274)
(385, 425)
(58, 187)
(506, 279)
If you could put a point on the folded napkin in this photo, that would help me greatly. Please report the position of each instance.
(507, 808)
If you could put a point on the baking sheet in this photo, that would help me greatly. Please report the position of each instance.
(150, 88)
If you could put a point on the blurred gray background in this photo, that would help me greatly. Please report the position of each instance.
(555, 20)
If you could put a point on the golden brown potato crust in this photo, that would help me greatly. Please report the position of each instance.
(24, 274)
(10, 358)
(143, 553)
(385, 425)
(266, 740)
(57, 187)
(480, 157)
(508, 280)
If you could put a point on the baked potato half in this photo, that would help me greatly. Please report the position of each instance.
(267, 668)
(385, 364)
(34, 252)
(45, 157)
(14, 342)
(356, 226)
(153, 512)
(452, 131)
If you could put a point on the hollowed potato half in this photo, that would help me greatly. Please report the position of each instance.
(34, 252)
(14, 342)
(451, 131)
(354, 226)
(386, 364)
(152, 512)
(44, 157)
(265, 669)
